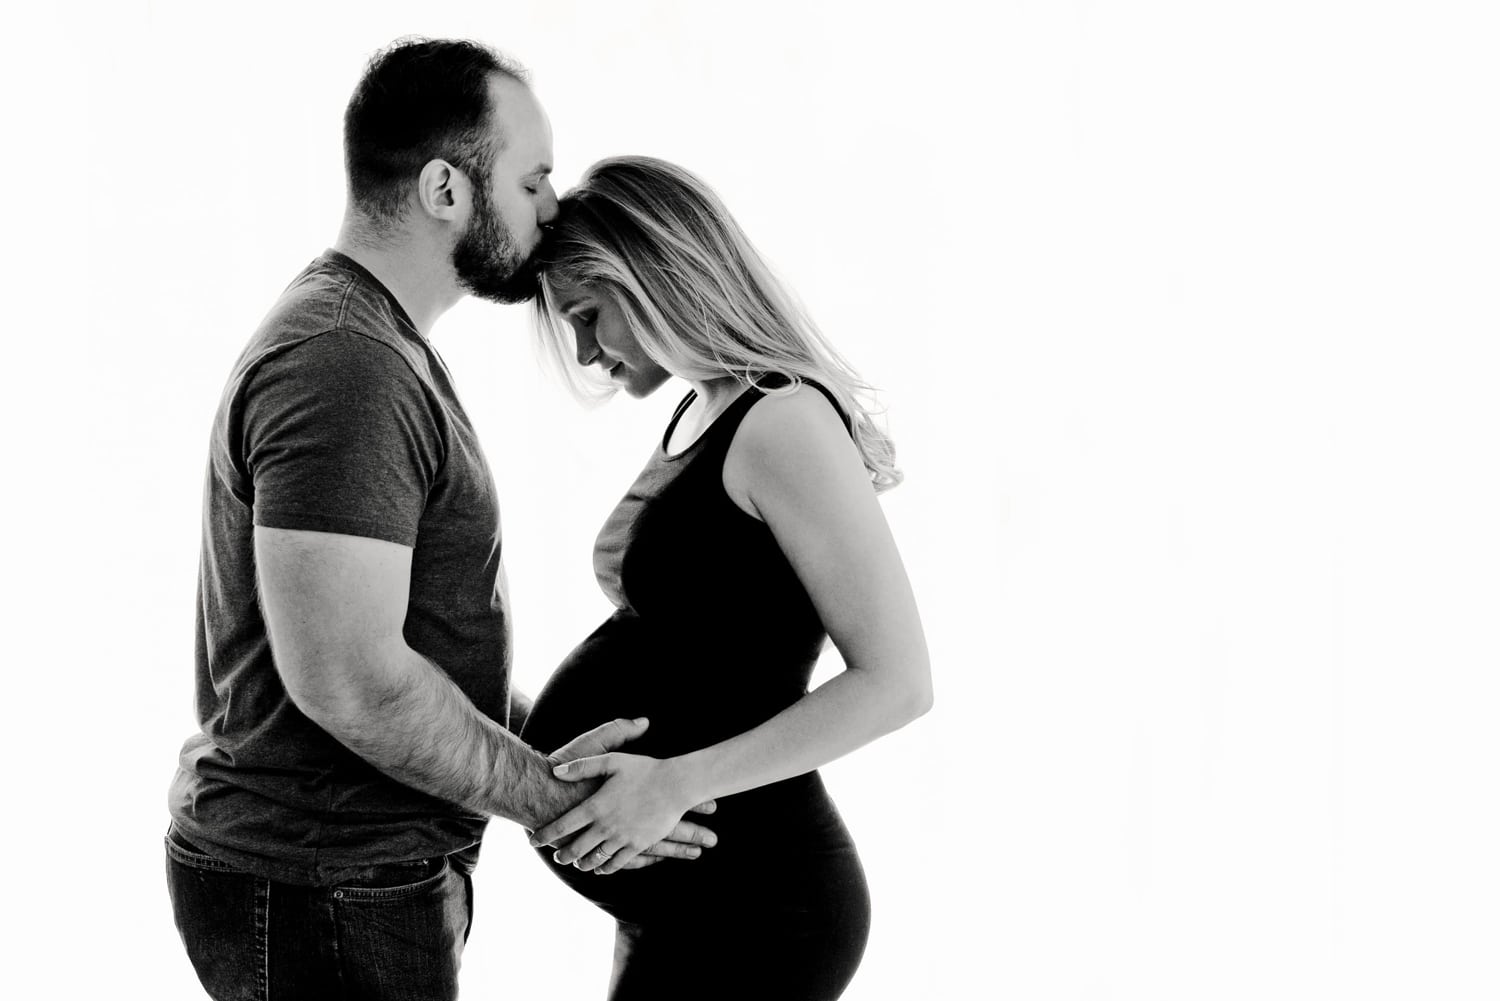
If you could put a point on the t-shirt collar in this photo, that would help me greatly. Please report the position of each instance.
(345, 261)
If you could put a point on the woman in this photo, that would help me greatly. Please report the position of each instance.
(752, 535)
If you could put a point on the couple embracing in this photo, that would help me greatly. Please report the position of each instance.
(357, 725)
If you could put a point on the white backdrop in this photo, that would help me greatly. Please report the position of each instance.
(1185, 316)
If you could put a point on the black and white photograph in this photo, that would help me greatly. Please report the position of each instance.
(794, 501)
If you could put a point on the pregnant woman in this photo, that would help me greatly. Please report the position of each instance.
(752, 536)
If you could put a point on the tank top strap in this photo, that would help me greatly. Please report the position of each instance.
(777, 382)
(682, 406)
(717, 437)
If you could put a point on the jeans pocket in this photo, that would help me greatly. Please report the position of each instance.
(394, 880)
(182, 852)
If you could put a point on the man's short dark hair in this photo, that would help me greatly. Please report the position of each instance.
(420, 99)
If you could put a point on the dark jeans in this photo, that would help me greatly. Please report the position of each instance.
(394, 933)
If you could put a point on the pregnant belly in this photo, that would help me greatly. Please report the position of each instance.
(694, 695)
(621, 672)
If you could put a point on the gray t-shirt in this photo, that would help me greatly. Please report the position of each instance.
(338, 417)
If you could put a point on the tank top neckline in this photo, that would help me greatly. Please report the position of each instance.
(703, 435)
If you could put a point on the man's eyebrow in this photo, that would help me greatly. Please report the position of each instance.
(570, 305)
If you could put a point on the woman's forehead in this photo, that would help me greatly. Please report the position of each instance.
(568, 296)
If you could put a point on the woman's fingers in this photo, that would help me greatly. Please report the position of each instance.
(708, 807)
(574, 820)
(616, 862)
(604, 737)
(600, 855)
(578, 848)
(592, 852)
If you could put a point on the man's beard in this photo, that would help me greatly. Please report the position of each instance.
(487, 260)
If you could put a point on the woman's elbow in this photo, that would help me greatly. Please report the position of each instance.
(920, 703)
(898, 696)
(915, 698)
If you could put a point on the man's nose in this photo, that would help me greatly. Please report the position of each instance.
(546, 209)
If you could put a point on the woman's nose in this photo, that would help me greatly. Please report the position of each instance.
(588, 348)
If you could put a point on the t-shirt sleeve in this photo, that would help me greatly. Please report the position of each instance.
(340, 436)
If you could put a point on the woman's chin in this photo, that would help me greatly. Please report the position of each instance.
(640, 385)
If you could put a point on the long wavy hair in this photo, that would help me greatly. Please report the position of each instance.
(697, 296)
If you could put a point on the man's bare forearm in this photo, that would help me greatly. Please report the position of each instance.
(411, 721)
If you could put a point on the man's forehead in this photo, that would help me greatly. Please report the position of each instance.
(518, 116)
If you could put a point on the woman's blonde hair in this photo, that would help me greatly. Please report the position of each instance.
(698, 297)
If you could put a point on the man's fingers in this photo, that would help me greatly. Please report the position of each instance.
(694, 834)
(708, 807)
(672, 849)
(641, 861)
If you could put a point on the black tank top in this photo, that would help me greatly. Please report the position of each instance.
(712, 635)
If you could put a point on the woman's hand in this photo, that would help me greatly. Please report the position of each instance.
(640, 803)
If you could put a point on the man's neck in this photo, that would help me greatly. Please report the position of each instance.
(418, 274)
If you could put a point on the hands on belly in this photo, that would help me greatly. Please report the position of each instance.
(635, 818)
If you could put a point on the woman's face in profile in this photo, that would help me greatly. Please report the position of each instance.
(603, 338)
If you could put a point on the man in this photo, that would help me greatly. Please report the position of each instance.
(352, 652)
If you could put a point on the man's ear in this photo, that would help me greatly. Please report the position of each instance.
(442, 191)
